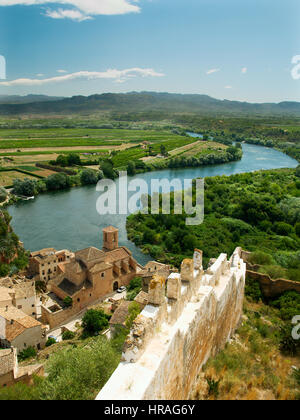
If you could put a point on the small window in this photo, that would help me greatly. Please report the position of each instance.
(32, 306)
(78, 300)
(19, 306)
(102, 275)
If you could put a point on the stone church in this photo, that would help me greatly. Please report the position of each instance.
(92, 273)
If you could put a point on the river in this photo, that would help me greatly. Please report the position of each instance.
(68, 219)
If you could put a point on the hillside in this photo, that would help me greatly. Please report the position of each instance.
(146, 101)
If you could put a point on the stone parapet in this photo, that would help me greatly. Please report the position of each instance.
(188, 319)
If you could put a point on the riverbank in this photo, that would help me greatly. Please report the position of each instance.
(69, 218)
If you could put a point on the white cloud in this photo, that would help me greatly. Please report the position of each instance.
(40, 75)
(211, 71)
(244, 70)
(80, 9)
(117, 75)
(67, 14)
(228, 87)
(62, 71)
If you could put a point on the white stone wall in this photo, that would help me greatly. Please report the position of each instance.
(170, 342)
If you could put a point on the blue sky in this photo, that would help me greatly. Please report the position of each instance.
(229, 49)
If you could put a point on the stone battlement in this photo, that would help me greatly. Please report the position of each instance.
(189, 318)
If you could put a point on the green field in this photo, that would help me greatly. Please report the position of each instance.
(60, 137)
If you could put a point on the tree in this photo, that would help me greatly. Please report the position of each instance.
(131, 169)
(62, 160)
(57, 182)
(94, 321)
(298, 171)
(163, 150)
(74, 159)
(108, 169)
(27, 187)
(3, 194)
(88, 177)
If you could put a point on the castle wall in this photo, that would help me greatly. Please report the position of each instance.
(178, 331)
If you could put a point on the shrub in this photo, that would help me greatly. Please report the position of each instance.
(28, 353)
(288, 305)
(298, 171)
(50, 342)
(68, 335)
(288, 345)
(260, 258)
(253, 291)
(274, 271)
(68, 301)
(213, 386)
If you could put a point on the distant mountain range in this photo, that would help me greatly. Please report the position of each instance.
(141, 102)
(18, 99)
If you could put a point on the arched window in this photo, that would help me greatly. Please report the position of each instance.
(116, 286)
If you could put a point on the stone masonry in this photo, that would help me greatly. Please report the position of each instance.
(189, 318)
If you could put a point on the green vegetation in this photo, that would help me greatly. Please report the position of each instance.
(68, 335)
(134, 310)
(68, 301)
(257, 211)
(12, 256)
(134, 288)
(28, 353)
(94, 321)
(3, 194)
(50, 342)
(77, 372)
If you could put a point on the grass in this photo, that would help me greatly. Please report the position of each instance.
(6, 178)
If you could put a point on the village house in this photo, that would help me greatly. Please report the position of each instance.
(11, 373)
(20, 294)
(20, 330)
(43, 264)
(118, 320)
(90, 275)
